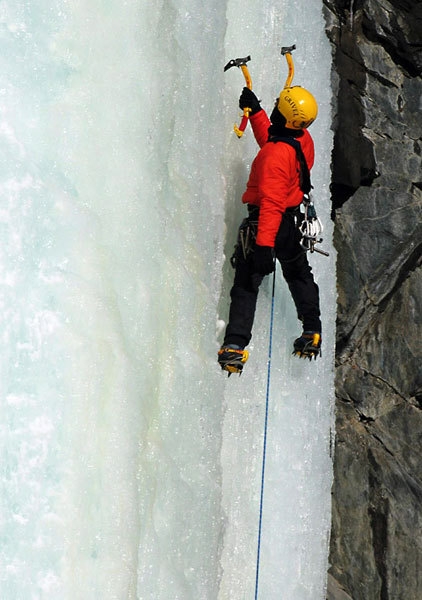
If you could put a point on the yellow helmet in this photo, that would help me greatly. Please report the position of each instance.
(298, 107)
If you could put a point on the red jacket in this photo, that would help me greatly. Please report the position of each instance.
(273, 183)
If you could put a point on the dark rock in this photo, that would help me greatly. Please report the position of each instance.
(335, 591)
(377, 208)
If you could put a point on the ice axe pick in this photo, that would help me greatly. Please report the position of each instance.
(241, 63)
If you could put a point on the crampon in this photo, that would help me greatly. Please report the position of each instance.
(232, 360)
(308, 345)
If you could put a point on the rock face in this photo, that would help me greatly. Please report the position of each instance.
(376, 548)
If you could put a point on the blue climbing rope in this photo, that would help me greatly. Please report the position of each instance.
(264, 453)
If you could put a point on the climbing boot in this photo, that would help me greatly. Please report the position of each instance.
(232, 358)
(308, 345)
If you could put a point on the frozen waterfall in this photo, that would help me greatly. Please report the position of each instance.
(131, 463)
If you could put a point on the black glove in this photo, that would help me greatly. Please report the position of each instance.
(263, 260)
(249, 100)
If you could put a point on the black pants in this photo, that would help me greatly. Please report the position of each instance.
(297, 273)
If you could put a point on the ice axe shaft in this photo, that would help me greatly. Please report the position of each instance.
(287, 52)
(241, 63)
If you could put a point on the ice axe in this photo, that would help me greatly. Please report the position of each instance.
(241, 63)
(287, 52)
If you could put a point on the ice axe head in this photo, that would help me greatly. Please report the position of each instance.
(237, 62)
(241, 63)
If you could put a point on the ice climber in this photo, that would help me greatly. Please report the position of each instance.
(273, 195)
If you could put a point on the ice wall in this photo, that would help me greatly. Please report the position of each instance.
(131, 464)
